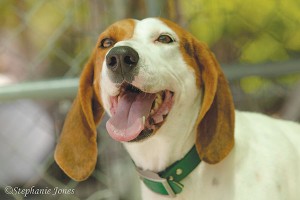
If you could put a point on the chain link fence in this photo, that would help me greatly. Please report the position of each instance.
(44, 45)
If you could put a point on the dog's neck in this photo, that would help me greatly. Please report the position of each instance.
(160, 151)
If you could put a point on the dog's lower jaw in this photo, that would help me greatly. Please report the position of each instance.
(145, 134)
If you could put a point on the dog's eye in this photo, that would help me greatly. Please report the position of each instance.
(166, 39)
(106, 43)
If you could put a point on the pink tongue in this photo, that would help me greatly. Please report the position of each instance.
(127, 122)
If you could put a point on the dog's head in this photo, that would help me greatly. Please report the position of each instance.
(151, 77)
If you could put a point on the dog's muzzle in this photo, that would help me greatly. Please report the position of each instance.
(122, 62)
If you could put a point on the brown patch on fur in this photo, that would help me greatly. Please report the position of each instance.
(76, 151)
(215, 123)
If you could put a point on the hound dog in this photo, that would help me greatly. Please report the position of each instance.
(170, 105)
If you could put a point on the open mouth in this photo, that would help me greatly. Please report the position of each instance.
(136, 115)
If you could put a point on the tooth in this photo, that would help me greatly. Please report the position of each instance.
(157, 105)
(152, 111)
(158, 99)
(166, 111)
(144, 120)
(158, 119)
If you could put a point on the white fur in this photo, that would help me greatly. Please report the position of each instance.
(265, 161)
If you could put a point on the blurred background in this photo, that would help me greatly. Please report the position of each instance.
(44, 45)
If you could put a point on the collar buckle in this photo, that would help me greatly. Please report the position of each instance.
(167, 182)
(154, 177)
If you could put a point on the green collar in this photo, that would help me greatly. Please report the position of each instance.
(167, 182)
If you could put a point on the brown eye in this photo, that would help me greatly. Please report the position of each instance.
(106, 43)
(166, 39)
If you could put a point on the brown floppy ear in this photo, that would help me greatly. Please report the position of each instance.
(215, 131)
(76, 151)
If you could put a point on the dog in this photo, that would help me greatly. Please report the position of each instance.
(170, 105)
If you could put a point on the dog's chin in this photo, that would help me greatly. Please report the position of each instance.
(136, 115)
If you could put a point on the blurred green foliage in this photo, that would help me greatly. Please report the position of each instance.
(250, 31)
(53, 34)
(263, 31)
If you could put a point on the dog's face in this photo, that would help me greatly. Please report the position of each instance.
(151, 77)
(145, 81)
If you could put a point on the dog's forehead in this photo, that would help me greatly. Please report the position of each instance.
(129, 28)
(151, 27)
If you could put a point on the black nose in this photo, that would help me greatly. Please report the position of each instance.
(122, 60)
